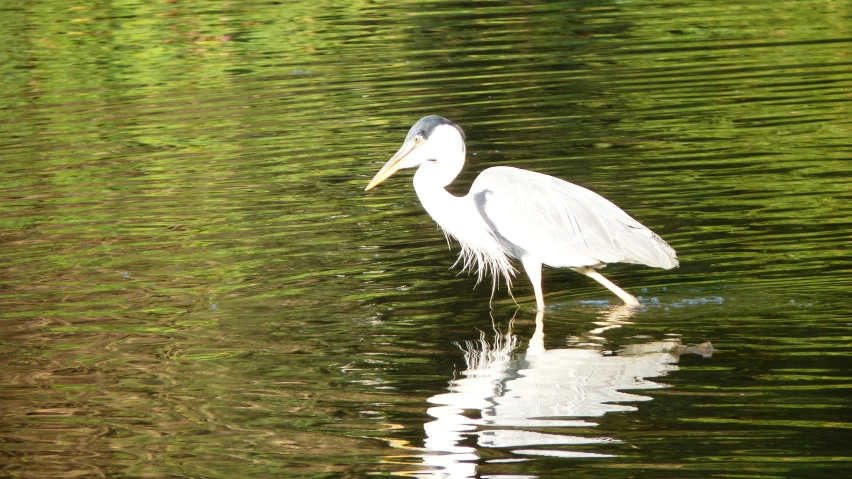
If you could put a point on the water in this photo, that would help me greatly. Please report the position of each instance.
(195, 284)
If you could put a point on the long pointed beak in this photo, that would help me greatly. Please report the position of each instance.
(392, 165)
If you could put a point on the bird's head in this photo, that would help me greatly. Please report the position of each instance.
(433, 141)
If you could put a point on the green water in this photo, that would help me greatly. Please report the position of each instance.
(193, 282)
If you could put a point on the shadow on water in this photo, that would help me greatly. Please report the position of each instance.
(527, 400)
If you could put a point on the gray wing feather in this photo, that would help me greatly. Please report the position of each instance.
(562, 224)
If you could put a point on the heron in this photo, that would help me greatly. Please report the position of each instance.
(514, 213)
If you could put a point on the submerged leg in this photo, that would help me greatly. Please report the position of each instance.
(533, 268)
(536, 346)
(628, 298)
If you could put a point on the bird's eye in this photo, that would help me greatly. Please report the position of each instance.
(418, 140)
(432, 160)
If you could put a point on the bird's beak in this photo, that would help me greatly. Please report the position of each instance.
(392, 165)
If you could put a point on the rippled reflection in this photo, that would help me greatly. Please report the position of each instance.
(194, 284)
(505, 397)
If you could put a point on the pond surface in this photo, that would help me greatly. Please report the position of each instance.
(193, 282)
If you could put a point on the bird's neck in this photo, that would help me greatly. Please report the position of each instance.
(439, 203)
(451, 212)
(456, 215)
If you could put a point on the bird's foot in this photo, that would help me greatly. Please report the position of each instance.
(631, 301)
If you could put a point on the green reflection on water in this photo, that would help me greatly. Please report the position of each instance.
(194, 282)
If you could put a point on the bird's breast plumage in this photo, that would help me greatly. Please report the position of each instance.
(460, 220)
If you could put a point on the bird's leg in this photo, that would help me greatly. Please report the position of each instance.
(628, 298)
(533, 268)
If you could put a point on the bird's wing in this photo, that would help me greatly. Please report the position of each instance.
(562, 224)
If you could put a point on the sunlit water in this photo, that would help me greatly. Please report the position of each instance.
(193, 282)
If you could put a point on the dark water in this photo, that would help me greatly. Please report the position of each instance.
(193, 282)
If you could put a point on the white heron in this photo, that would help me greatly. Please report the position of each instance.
(510, 212)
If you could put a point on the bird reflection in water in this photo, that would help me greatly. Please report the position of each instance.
(517, 395)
